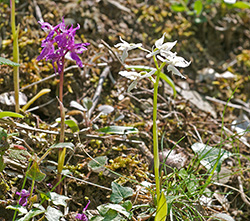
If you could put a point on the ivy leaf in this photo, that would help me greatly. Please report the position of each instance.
(209, 156)
(34, 173)
(119, 192)
(58, 199)
(98, 163)
(53, 214)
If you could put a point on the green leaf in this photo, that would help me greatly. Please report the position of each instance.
(32, 213)
(191, 181)
(109, 211)
(119, 192)
(118, 130)
(34, 173)
(198, 7)
(210, 156)
(98, 163)
(178, 8)
(53, 214)
(2, 164)
(18, 154)
(162, 208)
(10, 114)
(20, 209)
(169, 81)
(87, 103)
(58, 199)
(8, 62)
(241, 5)
(63, 145)
(127, 205)
(73, 125)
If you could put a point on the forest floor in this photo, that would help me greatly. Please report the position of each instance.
(212, 105)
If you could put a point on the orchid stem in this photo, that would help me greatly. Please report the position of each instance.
(15, 55)
(61, 151)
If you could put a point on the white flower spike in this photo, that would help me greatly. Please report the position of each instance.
(125, 47)
(162, 48)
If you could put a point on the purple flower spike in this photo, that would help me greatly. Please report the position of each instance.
(82, 216)
(24, 197)
(59, 42)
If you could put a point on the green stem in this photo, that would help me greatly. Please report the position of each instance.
(155, 138)
(61, 151)
(15, 55)
(32, 188)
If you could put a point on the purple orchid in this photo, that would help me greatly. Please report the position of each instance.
(59, 43)
(24, 197)
(82, 216)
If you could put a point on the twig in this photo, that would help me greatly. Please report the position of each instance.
(38, 11)
(229, 104)
(99, 89)
(242, 194)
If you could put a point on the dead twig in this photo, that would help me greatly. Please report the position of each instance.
(242, 194)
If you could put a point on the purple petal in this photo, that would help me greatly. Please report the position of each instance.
(75, 57)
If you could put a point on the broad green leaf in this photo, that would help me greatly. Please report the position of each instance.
(73, 125)
(87, 103)
(18, 154)
(198, 7)
(34, 173)
(191, 181)
(8, 62)
(127, 205)
(111, 209)
(210, 156)
(58, 199)
(32, 213)
(63, 145)
(118, 130)
(169, 81)
(21, 209)
(241, 5)
(98, 163)
(119, 192)
(53, 214)
(162, 208)
(178, 8)
(10, 114)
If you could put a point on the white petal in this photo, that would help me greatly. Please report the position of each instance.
(168, 45)
(132, 75)
(175, 71)
(152, 53)
(124, 55)
(148, 74)
(161, 58)
(132, 86)
(180, 62)
(160, 41)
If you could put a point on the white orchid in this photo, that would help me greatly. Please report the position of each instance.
(135, 76)
(174, 61)
(162, 47)
(125, 47)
